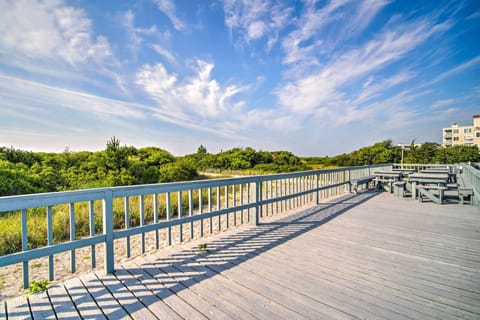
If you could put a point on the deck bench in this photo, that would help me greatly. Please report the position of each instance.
(356, 183)
(465, 190)
(427, 192)
(399, 188)
(384, 184)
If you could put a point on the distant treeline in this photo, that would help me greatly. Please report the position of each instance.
(385, 152)
(23, 172)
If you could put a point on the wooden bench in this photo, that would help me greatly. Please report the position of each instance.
(356, 183)
(465, 190)
(399, 188)
(384, 183)
(425, 192)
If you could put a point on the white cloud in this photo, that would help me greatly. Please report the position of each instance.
(441, 103)
(193, 97)
(168, 8)
(250, 20)
(50, 30)
(22, 96)
(324, 87)
(375, 87)
(164, 53)
(134, 40)
(302, 44)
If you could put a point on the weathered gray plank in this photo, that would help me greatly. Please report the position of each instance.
(81, 297)
(388, 293)
(40, 306)
(248, 297)
(385, 258)
(225, 294)
(62, 304)
(18, 308)
(205, 307)
(196, 282)
(135, 308)
(323, 291)
(148, 297)
(104, 299)
(282, 294)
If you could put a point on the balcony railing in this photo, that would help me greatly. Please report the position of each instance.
(167, 205)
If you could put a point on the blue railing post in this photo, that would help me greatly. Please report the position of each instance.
(253, 198)
(349, 180)
(108, 231)
(25, 247)
(317, 198)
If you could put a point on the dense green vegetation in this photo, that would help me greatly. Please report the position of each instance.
(385, 152)
(23, 172)
(247, 159)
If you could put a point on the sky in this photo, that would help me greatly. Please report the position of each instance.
(315, 78)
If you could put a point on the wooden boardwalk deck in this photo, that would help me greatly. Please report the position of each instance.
(364, 256)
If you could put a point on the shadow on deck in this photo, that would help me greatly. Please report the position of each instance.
(388, 258)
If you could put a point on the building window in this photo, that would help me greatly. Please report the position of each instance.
(455, 130)
(468, 130)
(455, 138)
(478, 134)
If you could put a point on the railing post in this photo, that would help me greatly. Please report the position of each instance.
(25, 248)
(349, 180)
(108, 231)
(317, 198)
(253, 212)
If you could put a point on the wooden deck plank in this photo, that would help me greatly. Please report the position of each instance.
(304, 304)
(367, 285)
(417, 272)
(209, 290)
(206, 307)
(62, 303)
(18, 308)
(149, 295)
(361, 256)
(85, 304)
(313, 286)
(104, 299)
(193, 280)
(40, 306)
(135, 308)
(302, 267)
(256, 305)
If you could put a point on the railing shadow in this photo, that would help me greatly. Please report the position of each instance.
(159, 278)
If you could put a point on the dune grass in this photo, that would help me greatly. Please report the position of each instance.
(10, 222)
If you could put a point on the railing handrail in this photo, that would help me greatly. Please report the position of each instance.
(473, 176)
(26, 201)
(260, 191)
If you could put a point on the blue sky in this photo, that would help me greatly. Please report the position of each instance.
(312, 77)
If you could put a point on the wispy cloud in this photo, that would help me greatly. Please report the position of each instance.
(251, 20)
(325, 87)
(50, 30)
(164, 53)
(464, 66)
(442, 103)
(59, 98)
(169, 9)
(197, 95)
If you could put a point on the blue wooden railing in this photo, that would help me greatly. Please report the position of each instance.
(252, 197)
(473, 176)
